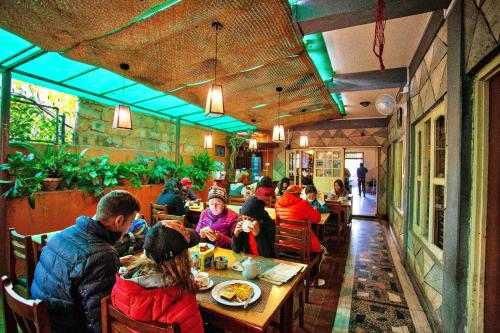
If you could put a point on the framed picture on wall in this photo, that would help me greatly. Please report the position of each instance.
(220, 151)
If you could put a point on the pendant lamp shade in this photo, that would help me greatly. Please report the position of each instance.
(122, 118)
(252, 144)
(208, 144)
(215, 102)
(304, 141)
(278, 133)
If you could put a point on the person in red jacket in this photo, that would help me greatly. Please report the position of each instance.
(159, 286)
(265, 189)
(291, 207)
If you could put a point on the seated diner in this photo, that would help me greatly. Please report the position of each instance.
(217, 222)
(171, 196)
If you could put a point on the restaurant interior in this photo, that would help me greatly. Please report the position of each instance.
(249, 166)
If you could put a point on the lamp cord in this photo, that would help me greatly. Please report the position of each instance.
(216, 30)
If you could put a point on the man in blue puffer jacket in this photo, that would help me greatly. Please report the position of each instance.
(78, 265)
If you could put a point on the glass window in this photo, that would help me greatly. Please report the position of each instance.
(438, 215)
(440, 147)
(419, 153)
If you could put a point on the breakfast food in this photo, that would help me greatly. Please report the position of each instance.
(203, 247)
(237, 292)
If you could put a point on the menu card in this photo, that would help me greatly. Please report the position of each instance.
(280, 273)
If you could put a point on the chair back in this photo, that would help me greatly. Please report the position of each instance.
(293, 240)
(29, 315)
(181, 218)
(157, 209)
(115, 321)
(21, 250)
(237, 201)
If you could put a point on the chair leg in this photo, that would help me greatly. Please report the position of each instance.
(308, 284)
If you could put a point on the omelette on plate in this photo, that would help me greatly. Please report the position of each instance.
(237, 292)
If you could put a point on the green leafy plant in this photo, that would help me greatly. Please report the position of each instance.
(26, 175)
(235, 141)
(201, 168)
(161, 168)
(98, 174)
(72, 167)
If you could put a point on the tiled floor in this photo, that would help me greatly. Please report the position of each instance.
(376, 293)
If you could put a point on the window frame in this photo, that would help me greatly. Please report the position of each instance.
(427, 179)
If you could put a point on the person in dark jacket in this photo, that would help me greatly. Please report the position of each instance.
(265, 188)
(78, 265)
(259, 238)
(282, 186)
(361, 173)
(172, 197)
(188, 195)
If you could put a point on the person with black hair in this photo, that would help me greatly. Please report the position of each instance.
(282, 186)
(255, 231)
(171, 196)
(312, 198)
(265, 188)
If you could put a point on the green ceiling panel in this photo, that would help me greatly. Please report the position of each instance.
(135, 93)
(316, 48)
(10, 45)
(217, 121)
(196, 117)
(182, 110)
(99, 81)
(28, 52)
(54, 67)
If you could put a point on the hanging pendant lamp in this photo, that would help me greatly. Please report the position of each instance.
(215, 100)
(279, 130)
(208, 143)
(122, 118)
(304, 139)
(252, 144)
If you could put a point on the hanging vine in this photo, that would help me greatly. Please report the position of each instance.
(235, 141)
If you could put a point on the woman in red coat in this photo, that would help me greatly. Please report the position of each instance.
(159, 286)
(291, 207)
(265, 189)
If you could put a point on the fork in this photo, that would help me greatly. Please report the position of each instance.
(248, 300)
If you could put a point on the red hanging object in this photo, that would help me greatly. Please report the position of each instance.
(379, 39)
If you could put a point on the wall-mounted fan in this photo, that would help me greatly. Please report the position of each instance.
(385, 104)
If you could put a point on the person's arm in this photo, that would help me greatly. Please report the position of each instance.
(180, 208)
(192, 195)
(97, 280)
(266, 238)
(323, 208)
(310, 213)
(225, 240)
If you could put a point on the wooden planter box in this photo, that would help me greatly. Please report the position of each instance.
(59, 209)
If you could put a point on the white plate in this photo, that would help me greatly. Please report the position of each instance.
(222, 285)
(210, 285)
(197, 247)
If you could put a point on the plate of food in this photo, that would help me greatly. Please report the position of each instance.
(236, 292)
(202, 247)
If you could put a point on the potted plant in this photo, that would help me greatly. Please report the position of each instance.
(97, 174)
(142, 168)
(71, 168)
(25, 176)
(161, 169)
(200, 170)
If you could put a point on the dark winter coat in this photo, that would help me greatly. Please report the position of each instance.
(174, 202)
(265, 239)
(76, 269)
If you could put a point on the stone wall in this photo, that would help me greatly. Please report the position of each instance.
(150, 136)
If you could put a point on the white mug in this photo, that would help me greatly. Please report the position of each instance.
(247, 225)
(202, 279)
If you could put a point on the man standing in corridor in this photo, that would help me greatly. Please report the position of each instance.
(361, 173)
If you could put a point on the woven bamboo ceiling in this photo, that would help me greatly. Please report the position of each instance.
(170, 46)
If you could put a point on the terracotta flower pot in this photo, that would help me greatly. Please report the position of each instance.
(125, 182)
(51, 184)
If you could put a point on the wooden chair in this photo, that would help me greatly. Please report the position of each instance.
(293, 243)
(157, 209)
(115, 321)
(237, 201)
(181, 218)
(335, 229)
(21, 250)
(29, 315)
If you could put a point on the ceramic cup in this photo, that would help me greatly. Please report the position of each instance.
(202, 279)
(247, 225)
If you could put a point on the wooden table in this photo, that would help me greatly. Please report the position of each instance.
(239, 320)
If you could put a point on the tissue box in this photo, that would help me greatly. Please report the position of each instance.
(206, 259)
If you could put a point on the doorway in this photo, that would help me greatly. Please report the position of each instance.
(363, 205)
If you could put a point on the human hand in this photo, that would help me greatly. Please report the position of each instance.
(239, 228)
(217, 236)
(204, 232)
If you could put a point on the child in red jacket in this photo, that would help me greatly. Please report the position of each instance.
(159, 286)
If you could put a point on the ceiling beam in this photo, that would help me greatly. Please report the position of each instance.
(313, 16)
(389, 78)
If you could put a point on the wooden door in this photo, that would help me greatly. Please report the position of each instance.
(492, 260)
